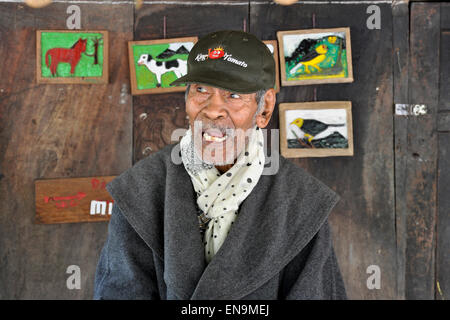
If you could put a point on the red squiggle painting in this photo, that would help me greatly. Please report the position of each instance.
(67, 201)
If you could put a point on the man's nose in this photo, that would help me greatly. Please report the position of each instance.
(216, 107)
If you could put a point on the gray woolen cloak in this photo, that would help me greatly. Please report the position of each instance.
(279, 246)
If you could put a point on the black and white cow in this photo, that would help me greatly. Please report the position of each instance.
(178, 66)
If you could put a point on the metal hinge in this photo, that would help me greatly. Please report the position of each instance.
(410, 109)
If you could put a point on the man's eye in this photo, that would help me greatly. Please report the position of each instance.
(235, 96)
(201, 89)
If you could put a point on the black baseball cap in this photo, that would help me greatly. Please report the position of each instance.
(236, 61)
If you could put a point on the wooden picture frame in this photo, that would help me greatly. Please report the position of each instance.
(274, 44)
(54, 64)
(143, 80)
(313, 141)
(314, 56)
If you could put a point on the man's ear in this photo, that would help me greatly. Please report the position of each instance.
(262, 119)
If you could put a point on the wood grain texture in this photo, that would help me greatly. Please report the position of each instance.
(443, 121)
(363, 222)
(443, 219)
(442, 290)
(419, 192)
(400, 36)
(445, 16)
(56, 131)
(157, 116)
(444, 66)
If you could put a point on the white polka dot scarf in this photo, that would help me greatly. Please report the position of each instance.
(219, 196)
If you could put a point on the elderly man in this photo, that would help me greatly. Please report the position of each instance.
(213, 226)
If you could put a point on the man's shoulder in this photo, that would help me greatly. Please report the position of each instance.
(156, 163)
(146, 173)
(161, 158)
(139, 193)
(294, 179)
(307, 201)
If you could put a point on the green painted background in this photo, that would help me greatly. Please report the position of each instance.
(333, 65)
(145, 78)
(85, 67)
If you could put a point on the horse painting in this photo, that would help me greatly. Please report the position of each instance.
(72, 56)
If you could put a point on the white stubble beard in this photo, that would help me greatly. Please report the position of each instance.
(213, 154)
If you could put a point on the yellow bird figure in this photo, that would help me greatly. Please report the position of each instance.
(314, 129)
(312, 59)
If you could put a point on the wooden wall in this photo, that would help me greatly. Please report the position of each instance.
(51, 131)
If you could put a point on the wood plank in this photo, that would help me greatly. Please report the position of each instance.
(421, 153)
(400, 34)
(73, 200)
(444, 81)
(445, 15)
(363, 222)
(56, 131)
(443, 226)
(443, 121)
(157, 116)
(443, 219)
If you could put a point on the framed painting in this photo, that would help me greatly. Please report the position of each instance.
(315, 56)
(273, 47)
(316, 129)
(154, 64)
(75, 56)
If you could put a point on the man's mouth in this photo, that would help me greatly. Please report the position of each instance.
(214, 135)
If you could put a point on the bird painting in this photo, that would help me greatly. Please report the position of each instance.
(316, 129)
(311, 129)
(312, 59)
(315, 56)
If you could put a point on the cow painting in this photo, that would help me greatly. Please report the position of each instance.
(155, 64)
(178, 66)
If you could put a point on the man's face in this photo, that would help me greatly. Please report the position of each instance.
(219, 120)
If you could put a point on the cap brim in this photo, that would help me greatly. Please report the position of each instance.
(220, 80)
